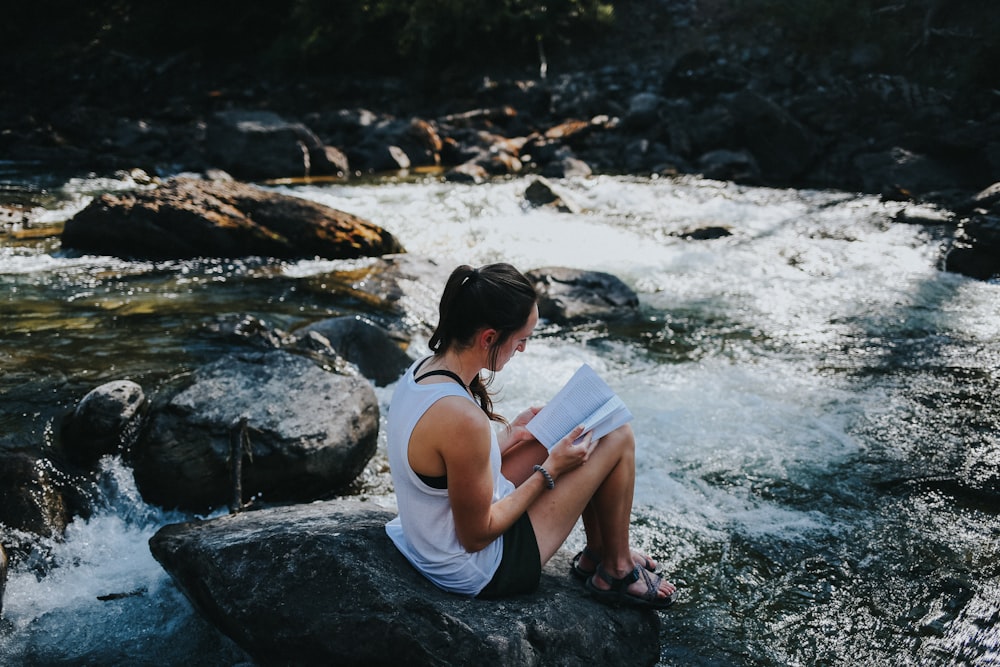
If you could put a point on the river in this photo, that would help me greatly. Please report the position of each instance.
(815, 404)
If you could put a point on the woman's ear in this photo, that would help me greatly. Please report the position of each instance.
(487, 338)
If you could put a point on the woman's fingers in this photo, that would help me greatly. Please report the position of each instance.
(587, 445)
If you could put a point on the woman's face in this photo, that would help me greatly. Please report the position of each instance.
(517, 341)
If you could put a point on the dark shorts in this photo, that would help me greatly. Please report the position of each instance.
(520, 566)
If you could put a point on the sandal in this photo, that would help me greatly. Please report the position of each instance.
(583, 574)
(618, 592)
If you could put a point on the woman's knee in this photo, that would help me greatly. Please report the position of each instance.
(622, 438)
(619, 445)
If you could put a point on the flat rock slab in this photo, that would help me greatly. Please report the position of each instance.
(322, 584)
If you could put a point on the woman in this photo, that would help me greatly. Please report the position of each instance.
(480, 515)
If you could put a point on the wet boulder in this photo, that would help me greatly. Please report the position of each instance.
(30, 498)
(643, 111)
(401, 292)
(566, 165)
(543, 192)
(708, 233)
(323, 584)
(900, 173)
(310, 433)
(976, 250)
(261, 145)
(567, 295)
(186, 217)
(987, 199)
(467, 172)
(106, 421)
(363, 343)
(728, 165)
(394, 144)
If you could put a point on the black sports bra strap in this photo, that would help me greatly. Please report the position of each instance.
(453, 376)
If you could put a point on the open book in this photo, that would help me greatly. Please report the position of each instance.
(586, 399)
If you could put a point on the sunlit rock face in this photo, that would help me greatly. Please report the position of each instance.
(187, 218)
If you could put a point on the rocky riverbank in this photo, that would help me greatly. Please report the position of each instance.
(675, 90)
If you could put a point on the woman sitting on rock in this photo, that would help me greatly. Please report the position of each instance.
(480, 515)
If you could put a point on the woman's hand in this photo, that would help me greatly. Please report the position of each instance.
(522, 419)
(517, 433)
(566, 455)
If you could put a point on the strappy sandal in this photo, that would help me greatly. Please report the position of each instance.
(583, 574)
(618, 593)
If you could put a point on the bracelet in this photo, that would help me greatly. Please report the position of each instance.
(549, 482)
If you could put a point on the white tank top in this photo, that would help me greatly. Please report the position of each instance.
(424, 531)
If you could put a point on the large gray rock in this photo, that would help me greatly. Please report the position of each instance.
(311, 432)
(188, 217)
(321, 584)
(568, 295)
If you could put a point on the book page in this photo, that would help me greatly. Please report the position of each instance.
(585, 399)
(607, 418)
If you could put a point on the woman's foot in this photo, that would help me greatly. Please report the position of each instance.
(636, 588)
(585, 563)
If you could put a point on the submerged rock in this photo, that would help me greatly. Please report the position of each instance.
(311, 433)
(542, 192)
(323, 584)
(187, 218)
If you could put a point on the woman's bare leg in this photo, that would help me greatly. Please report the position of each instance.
(518, 465)
(592, 528)
(605, 484)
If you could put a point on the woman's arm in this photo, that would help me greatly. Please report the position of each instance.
(464, 437)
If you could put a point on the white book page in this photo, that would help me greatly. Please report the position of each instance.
(607, 418)
(585, 399)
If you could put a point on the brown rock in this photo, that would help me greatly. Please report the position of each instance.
(187, 218)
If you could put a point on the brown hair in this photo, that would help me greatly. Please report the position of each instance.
(495, 296)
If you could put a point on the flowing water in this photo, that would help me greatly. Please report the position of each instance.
(815, 405)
